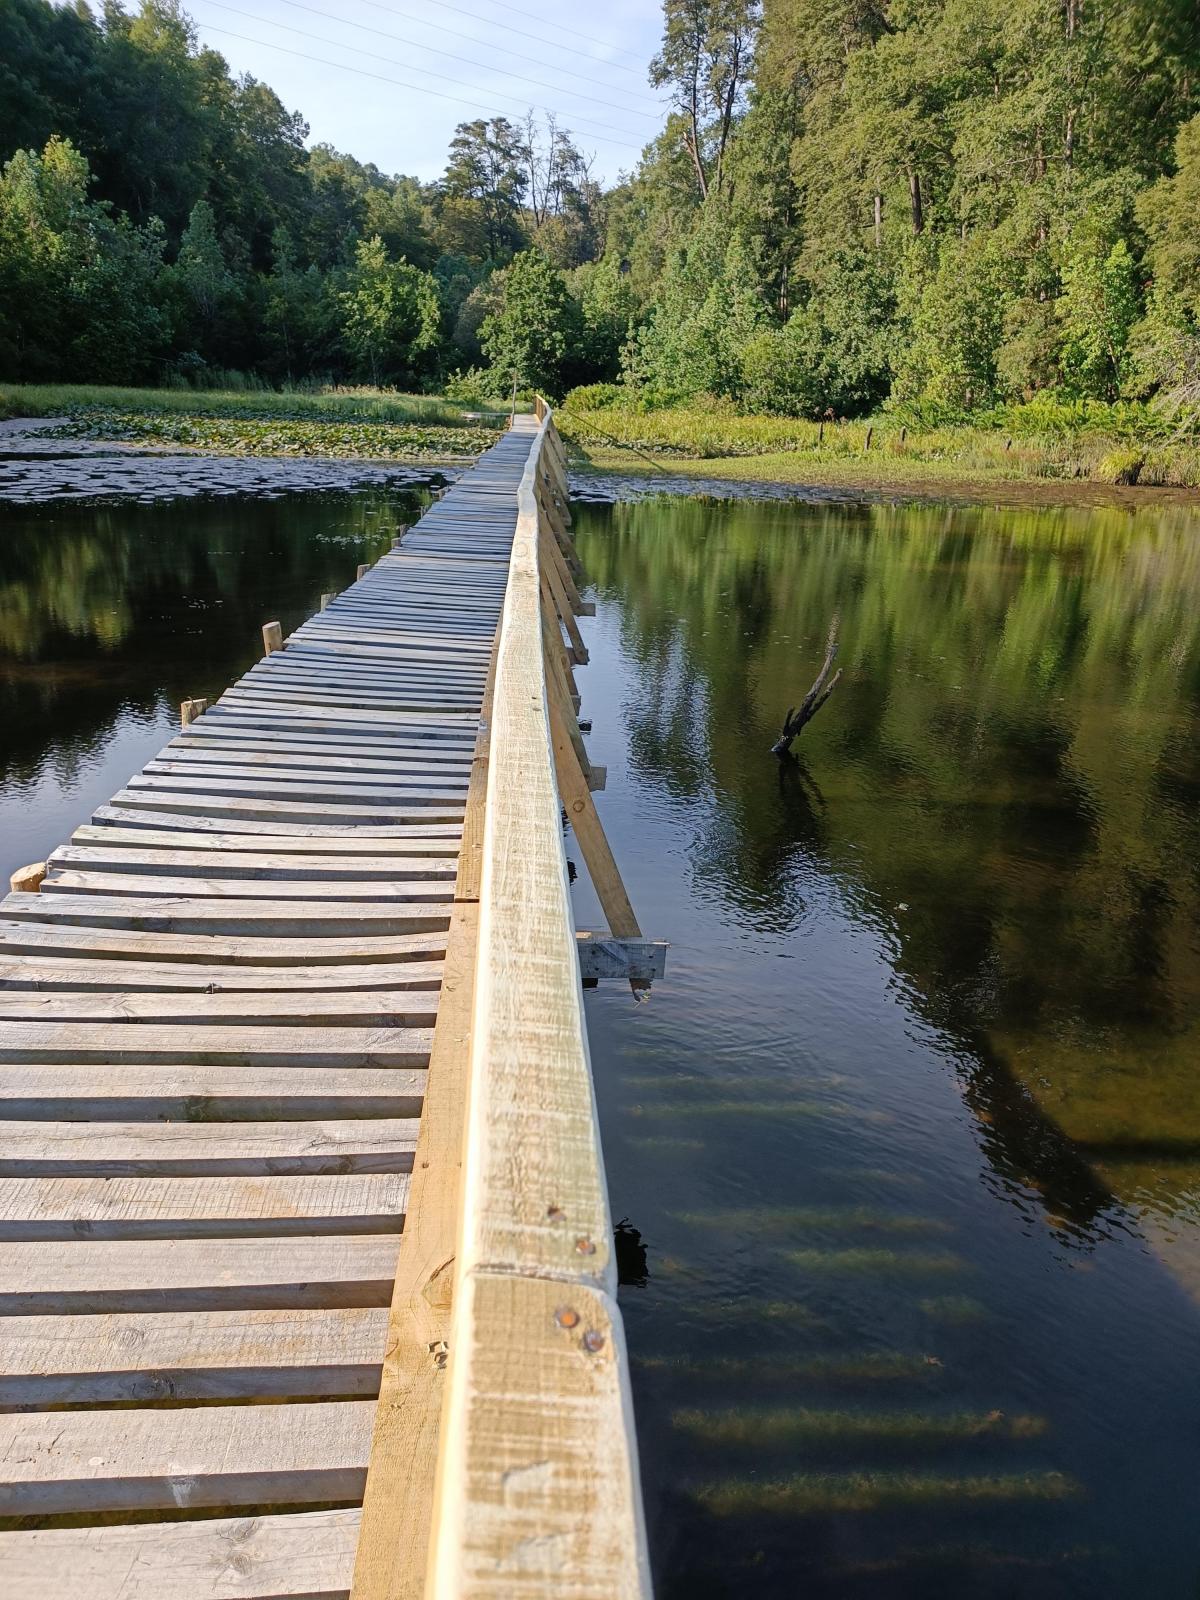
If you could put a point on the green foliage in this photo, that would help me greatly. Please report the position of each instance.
(391, 315)
(531, 330)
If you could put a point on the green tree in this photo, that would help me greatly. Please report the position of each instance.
(530, 332)
(390, 315)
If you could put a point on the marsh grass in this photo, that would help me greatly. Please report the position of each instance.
(1020, 443)
(329, 405)
(827, 1492)
(784, 1424)
(955, 1310)
(342, 424)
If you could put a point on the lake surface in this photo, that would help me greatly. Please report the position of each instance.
(911, 1131)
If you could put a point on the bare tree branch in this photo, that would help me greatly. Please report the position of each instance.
(823, 686)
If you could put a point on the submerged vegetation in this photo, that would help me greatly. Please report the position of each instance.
(827, 1492)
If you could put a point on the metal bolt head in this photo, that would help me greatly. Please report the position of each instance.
(584, 1246)
(593, 1340)
(567, 1317)
(556, 1213)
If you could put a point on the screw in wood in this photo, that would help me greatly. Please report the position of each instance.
(593, 1340)
(566, 1317)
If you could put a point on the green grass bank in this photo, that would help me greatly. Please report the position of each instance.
(1123, 446)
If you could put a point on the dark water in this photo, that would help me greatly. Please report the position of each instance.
(911, 1133)
(110, 615)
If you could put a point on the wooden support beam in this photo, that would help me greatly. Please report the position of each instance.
(326, 599)
(565, 614)
(601, 956)
(576, 796)
(363, 568)
(190, 710)
(398, 536)
(272, 636)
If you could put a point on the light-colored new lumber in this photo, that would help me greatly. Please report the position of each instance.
(537, 1476)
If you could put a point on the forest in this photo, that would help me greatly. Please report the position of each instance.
(933, 207)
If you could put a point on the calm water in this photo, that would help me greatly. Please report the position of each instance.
(911, 1133)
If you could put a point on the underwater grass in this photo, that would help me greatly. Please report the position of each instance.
(875, 1260)
(752, 1108)
(866, 1366)
(782, 1424)
(823, 1219)
(827, 1492)
(956, 1310)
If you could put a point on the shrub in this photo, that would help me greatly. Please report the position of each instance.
(592, 396)
(1119, 466)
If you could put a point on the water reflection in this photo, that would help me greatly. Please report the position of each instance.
(111, 615)
(912, 1126)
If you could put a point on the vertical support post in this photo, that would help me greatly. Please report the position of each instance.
(190, 710)
(325, 600)
(363, 569)
(272, 635)
(28, 880)
(398, 536)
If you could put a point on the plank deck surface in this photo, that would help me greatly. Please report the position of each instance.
(216, 1023)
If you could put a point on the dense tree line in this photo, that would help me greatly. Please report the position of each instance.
(945, 202)
(161, 219)
(939, 203)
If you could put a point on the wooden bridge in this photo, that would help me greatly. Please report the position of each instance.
(309, 980)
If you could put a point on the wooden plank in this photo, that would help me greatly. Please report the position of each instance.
(214, 1355)
(103, 1278)
(301, 1556)
(201, 1208)
(541, 1495)
(379, 891)
(537, 1477)
(246, 1010)
(402, 846)
(252, 866)
(239, 809)
(185, 1092)
(220, 1045)
(298, 918)
(85, 972)
(95, 1461)
(205, 1149)
(30, 938)
(329, 836)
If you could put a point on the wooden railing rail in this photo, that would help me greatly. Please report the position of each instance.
(537, 1490)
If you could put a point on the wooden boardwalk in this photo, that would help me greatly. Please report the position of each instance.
(220, 1013)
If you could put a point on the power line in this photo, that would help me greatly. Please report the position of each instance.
(373, 55)
(379, 77)
(459, 33)
(540, 39)
(518, 77)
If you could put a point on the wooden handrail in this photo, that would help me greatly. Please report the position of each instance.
(537, 1481)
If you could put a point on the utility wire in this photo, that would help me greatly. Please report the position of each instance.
(379, 77)
(485, 66)
(471, 38)
(541, 39)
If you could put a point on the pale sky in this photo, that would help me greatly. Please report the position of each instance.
(421, 66)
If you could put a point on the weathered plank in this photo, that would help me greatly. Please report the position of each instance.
(100, 1276)
(96, 1461)
(218, 1045)
(302, 1556)
(205, 1149)
(201, 1208)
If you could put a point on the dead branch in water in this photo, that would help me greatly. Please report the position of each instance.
(799, 716)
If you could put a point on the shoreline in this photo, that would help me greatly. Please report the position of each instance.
(779, 473)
